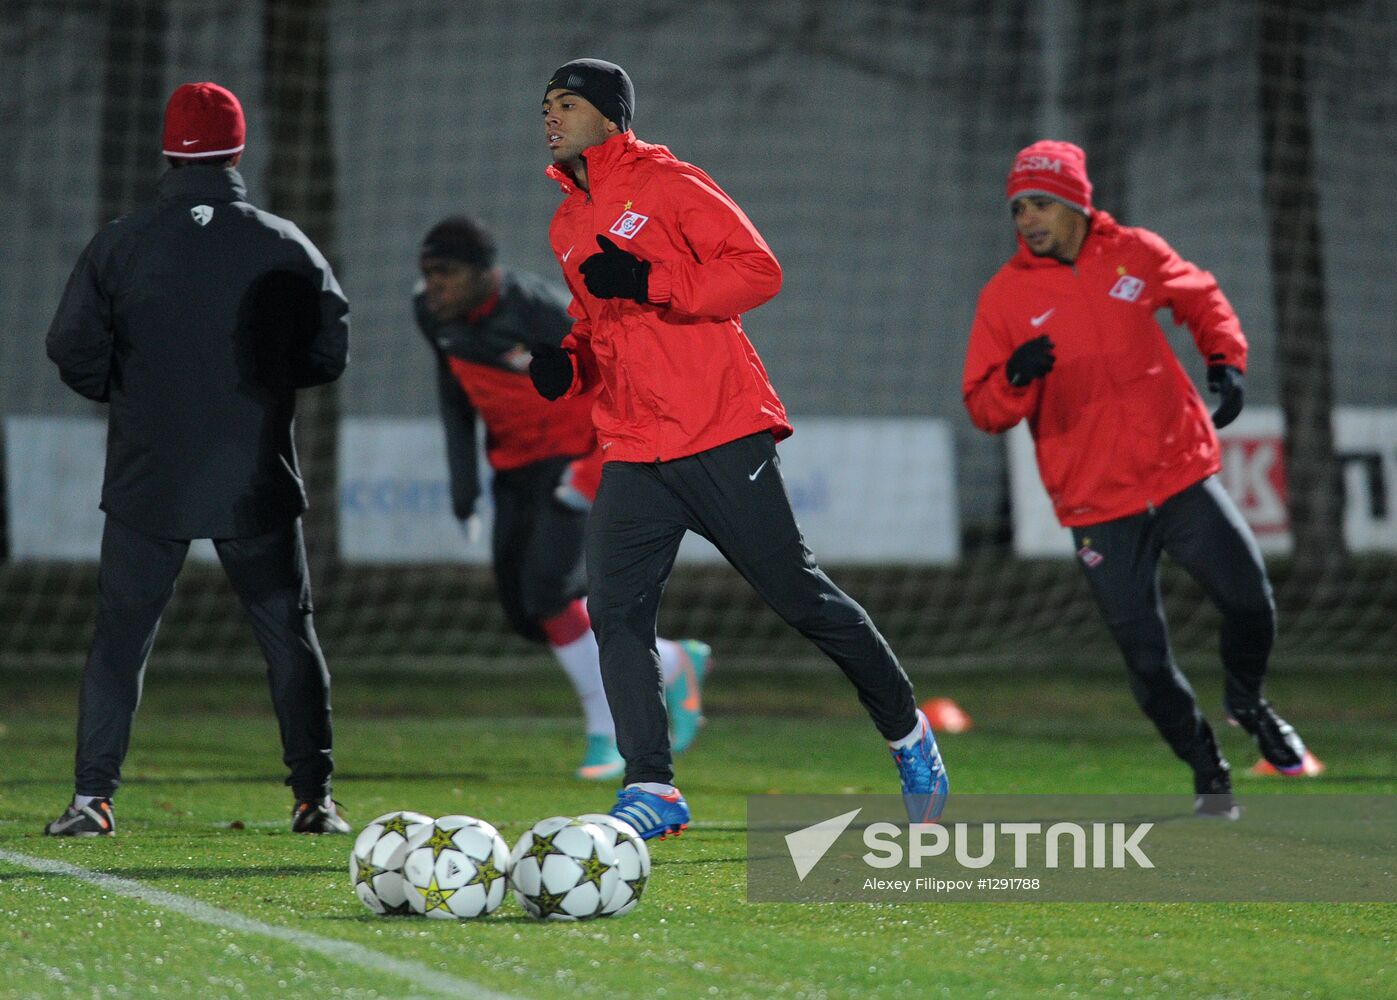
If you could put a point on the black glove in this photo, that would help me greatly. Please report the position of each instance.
(1226, 381)
(551, 370)
(616, 274)
(1032, 360)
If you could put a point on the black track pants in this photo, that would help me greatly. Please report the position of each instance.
(135, 582)
(1202, 530)
(732, 495)
(537, 546)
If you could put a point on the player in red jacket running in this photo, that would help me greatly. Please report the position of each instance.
(481, 322)
(1065, 337)
(660, 262)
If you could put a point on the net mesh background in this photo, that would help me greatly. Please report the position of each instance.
(867, 141)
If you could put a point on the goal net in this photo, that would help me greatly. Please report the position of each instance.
(869, 143)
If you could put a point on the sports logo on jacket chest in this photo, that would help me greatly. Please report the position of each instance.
(1127, 287)
(628, 224)
(201, 214)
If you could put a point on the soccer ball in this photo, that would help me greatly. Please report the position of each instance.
(564, 869)
(456, 868)
(376, 861)
(632, 862)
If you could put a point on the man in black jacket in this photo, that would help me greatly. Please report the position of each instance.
(197, 318)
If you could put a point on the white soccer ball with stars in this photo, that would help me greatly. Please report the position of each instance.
(376, 861)
(632, 862)
(456, 869)
(564, 869)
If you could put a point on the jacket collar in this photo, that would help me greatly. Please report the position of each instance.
(600, 159)
(1102, 227)
(213, 183)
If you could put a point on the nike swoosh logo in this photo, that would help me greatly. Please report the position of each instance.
(188, 142)
(568, 254)
(753, 476)
(1042, 318)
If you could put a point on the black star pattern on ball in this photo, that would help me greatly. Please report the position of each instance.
(367, 870)
(548, 902)
(593, 869)
(440, 841)
(486, 874)
(541, 848)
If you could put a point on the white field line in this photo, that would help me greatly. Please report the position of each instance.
(421, 976)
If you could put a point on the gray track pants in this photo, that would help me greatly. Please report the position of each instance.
(734, 496)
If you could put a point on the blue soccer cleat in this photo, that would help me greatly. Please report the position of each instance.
(924, 782)
(601, 761)
(684, 695)
(652, 814)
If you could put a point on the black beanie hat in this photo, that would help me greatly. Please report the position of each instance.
(605, 85)
(460, 238)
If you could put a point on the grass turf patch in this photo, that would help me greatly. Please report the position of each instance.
(203, 816)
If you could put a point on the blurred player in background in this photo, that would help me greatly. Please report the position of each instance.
(1065, 337)
(197, 318)
(688, 424)
(482, 323)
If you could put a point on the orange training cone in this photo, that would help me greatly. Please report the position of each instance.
(945, 716)
(1310, 766)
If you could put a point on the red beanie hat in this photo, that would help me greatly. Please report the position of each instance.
(203, 120)
(1055, 169)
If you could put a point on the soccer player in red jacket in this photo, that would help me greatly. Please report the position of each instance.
(481, 321)
(1065, 338)
(661, 262)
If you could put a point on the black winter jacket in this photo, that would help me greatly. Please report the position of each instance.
(197, 318)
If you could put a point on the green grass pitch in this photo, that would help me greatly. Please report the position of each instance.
(250, 910)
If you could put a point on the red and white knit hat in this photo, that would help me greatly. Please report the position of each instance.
(203, 120)
(1055, 169)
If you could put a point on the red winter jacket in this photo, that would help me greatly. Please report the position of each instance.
(1117, 425)
(678, 375)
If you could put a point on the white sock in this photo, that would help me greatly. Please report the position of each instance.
(83, 801)
(654, 787)
(580, 662)
(911, 737)
(671, 658)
